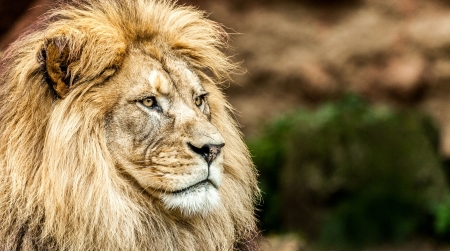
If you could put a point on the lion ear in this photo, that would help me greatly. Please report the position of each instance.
(57, 57)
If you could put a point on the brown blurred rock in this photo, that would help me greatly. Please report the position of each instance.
(403, 75)
(416, 245)
(289, 242)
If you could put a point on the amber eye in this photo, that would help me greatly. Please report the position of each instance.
(199, 101)
(149, 102)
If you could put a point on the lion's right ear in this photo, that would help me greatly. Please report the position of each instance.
(57, 57)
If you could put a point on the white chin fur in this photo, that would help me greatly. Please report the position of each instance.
(198, 200)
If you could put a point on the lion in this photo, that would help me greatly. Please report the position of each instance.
(115, 134)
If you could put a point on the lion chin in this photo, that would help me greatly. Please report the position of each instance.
(115, 135)
(201, 197)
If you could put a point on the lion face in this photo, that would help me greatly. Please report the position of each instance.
(160, 134)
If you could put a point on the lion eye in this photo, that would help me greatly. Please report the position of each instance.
(149, 102)
(199, 101)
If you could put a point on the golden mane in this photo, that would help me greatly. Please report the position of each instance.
(59, 187)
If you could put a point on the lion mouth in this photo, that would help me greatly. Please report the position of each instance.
(202, 183)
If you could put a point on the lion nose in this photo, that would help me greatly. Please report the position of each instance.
(208, 151)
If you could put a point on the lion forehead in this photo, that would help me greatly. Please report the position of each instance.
(182, 75)
(167, 76)
(160, 82)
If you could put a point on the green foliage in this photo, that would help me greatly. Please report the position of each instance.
(349, 173)
(442, 218)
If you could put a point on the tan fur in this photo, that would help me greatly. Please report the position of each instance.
(65, 180)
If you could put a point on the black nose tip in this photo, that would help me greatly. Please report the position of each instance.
(208, 151)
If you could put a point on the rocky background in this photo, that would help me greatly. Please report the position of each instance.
(302, 53)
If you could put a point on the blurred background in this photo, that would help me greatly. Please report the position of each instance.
(345, 106)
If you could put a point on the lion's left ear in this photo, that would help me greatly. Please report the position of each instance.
(58, 56)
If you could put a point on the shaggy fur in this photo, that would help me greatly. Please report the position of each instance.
(60, 187)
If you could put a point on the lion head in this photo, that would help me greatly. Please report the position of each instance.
(160, 132)
(115, 135)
